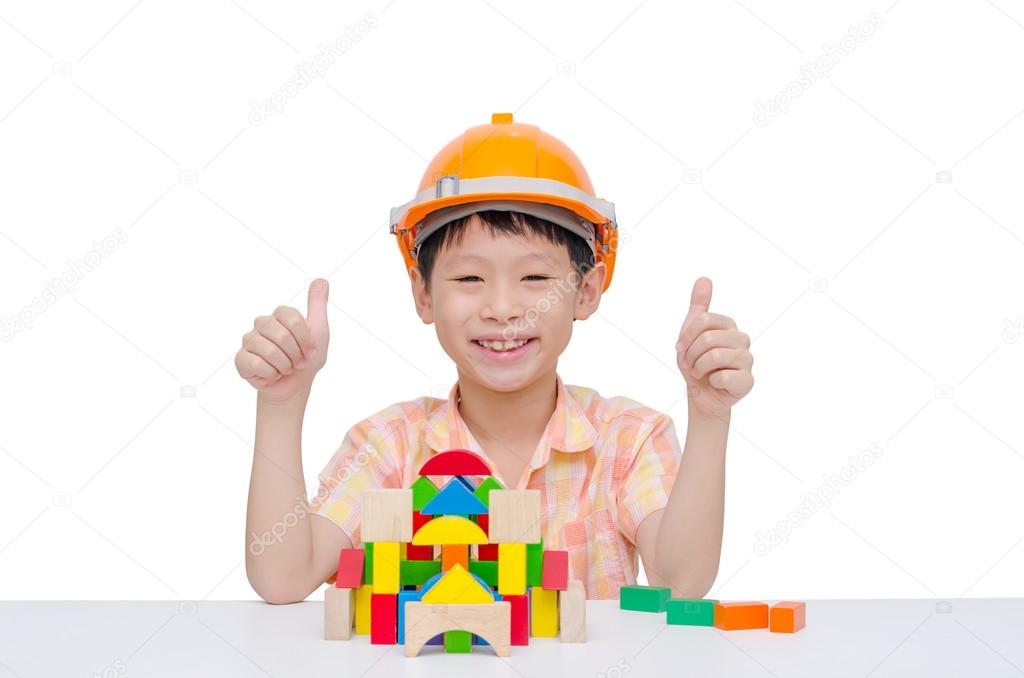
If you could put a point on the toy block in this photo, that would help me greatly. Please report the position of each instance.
(383, 618)
(455, 463)
(483, 490)
(690, 612)
(511, 569)
(489, 621)
(339, 612)
(458, 641)
(424, 552)
(423, 490)
(387, 515)
(741, 615)
(368, 562)
(453, 554)
(350, 569)
(453, 499)
(387, 565)
(514, 516)
(543, 612)
(535, 564)
(458, 586)
(467, 483)
(417, 571)
(485, 551)
(556, 570)
(788, 616)
(486, 570)
(644, 598)
(572, 612)
(403, 598)
(450, 530)
(520, 621)
(362, 613)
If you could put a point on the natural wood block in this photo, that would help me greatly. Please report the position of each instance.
(489, 621)
(741, 615)
(339, 613)
(511, 569)
(387, 567)
(362, 615)
(572, 612)
(543, 611)
(514, 516)
(387, 515)
(788, 616)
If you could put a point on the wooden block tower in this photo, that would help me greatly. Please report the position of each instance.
(492, 582)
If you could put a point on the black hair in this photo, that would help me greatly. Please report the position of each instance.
(509, 223)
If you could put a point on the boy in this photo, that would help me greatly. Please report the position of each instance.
(505, 246)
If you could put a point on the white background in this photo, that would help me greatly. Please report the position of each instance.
(884, 298)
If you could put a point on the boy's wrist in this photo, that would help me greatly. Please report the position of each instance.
(296, 404)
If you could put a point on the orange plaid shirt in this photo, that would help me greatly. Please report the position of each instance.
(602, 466)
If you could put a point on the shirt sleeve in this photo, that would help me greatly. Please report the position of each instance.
(648, 481)
(363, 461)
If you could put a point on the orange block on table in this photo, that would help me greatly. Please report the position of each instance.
(743, 615)
(789, 616)
(454, 553)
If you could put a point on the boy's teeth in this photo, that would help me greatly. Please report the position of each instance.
(502, 345)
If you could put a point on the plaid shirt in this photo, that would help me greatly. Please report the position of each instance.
(602, 465)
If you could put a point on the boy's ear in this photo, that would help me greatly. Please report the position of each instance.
(424, 303)
(588, 296)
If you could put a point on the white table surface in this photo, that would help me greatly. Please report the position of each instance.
(979, 637)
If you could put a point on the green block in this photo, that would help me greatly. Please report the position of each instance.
(690, 612)
(486, 570)
(417, 571)
(482, 492)
(423, 490)
(368, 562)
(535, 563)
(458, 641)
(644, 598)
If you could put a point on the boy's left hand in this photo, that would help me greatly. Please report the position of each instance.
(713, 356)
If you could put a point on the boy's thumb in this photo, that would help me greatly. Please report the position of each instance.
(316, 305)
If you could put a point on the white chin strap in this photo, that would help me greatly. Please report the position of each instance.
(557, 215)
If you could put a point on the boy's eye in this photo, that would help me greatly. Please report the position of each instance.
(539, 277)
(467, 277)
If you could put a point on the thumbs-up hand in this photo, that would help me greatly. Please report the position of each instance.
(284, 351)
(713, 356)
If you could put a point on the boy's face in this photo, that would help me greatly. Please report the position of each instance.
(496, 286)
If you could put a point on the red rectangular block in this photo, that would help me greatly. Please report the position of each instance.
(350, 569)
(485, 551)
(383, 618)
(520, 611)
(422, 552)
(555, 575)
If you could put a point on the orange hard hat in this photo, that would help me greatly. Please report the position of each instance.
(507, 166)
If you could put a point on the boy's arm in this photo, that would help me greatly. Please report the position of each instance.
(681, 544)
(289, 552)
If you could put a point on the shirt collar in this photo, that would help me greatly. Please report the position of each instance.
(568, 429)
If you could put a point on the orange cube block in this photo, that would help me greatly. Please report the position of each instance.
(738, 616)
(454, 553)
(788, 616)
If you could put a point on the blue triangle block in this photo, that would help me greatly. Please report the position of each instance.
(454, 498)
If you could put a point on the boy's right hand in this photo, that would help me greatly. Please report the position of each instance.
(284, 351)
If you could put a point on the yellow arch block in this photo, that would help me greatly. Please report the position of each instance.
(458, 586)
(449, 530)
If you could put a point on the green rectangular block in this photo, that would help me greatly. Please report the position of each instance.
(535, 563)
(458, 641)
(368, 562)
(417, 571)
(690, 612)
(486, 570)
(644, 598)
